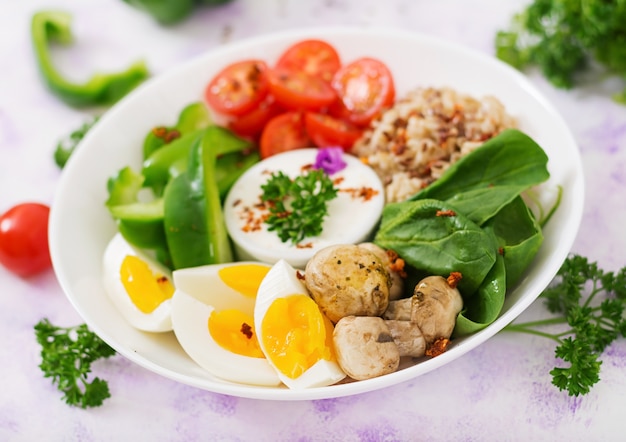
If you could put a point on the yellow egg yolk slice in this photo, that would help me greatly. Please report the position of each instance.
(145, 289)
(233, 330)
(296, 334)
(245, 278)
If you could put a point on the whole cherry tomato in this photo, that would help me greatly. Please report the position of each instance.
(297, 90)
(313, 57)
(238, 88)
(24, 239)
(284, 132)
(365, 87)
(327, 131)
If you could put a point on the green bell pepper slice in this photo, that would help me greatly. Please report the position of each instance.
(193, 117)
(172, 159)
(101, 88)
(194, 223)
(139, 222)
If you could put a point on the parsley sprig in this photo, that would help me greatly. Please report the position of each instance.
(592, 303)
(66, 356)
(297, 207)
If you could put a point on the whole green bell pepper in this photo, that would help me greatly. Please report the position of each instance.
(54, 26)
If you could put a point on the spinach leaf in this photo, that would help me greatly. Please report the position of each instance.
(425, 235)
(519, 235)
(484, 307)
(483, 182)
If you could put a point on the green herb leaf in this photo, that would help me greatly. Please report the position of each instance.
(66, 356)
(564, 38)
(298, 207)
(592, 324)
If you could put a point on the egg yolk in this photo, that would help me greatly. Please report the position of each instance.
(244, 278)
(296, 334)
(146, 290)
(233, 330)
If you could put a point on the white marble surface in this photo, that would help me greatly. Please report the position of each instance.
(500, 391)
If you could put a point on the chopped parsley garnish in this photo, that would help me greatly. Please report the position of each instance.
(297, 207)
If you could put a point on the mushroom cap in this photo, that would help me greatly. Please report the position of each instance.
(435, 306)
(364, 347)
(397, 281)
(348, 280)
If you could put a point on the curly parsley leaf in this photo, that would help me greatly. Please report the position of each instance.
(592, 303)
(563, 38)
(66, 356)
(297, 207)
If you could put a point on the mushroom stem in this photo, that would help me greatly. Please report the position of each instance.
(408, 337)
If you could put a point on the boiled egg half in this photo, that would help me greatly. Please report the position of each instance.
(295, 336)
(139, 286)
(212, 317)
(360, 199)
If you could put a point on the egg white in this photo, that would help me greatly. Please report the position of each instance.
(280, 282)
(158, 320)
(264, 245)
(199, 292)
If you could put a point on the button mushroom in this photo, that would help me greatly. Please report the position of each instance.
(435, 307)
(365, 348)
(348, 280)
(369, 346)
(393, 264)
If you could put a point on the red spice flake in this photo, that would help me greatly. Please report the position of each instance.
(454, 279)
(439, 346)
(396, 264)
(172, 135)
(162, 279)
(165, 134)
(337, 181)
(246, 330)
(300, 275)
(253, 219)
(307, 245)
(366, 193)
(159, 131)
(445, 213)
(236, 202)
(306, 167)
(501, 251)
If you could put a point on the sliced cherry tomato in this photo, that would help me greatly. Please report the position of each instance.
(238, 88)
(365, 87)
(327, 131)
(24, 239)
(313, 57)
(299, 91)
(282, 133)
(252, 123)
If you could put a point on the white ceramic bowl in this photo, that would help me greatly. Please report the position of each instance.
(80, 225)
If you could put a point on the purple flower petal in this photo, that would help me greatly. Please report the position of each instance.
(330, 159)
